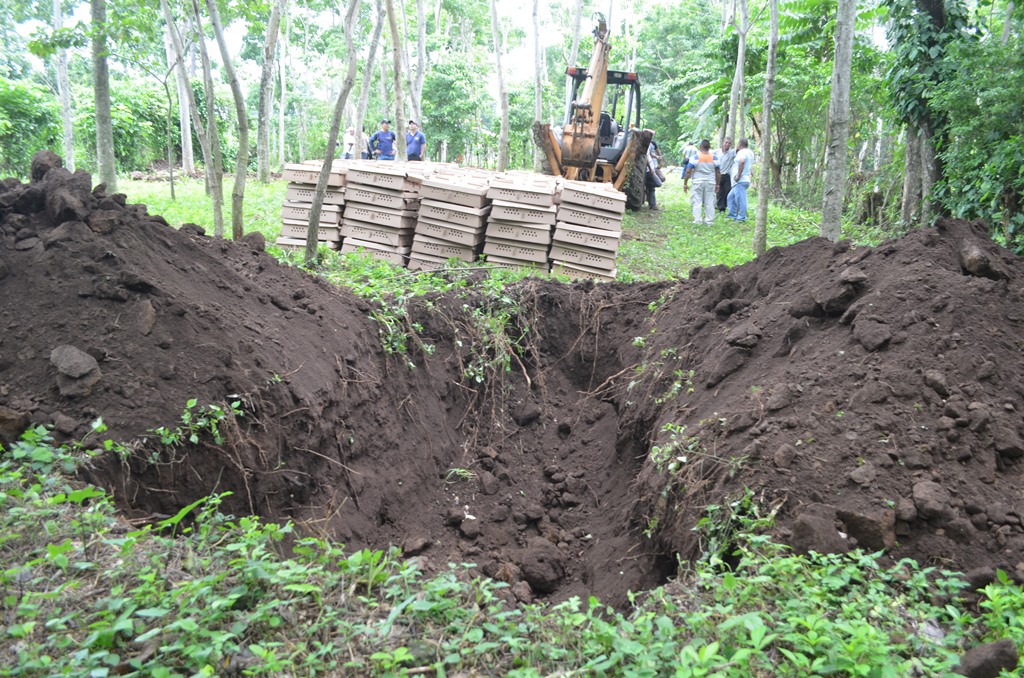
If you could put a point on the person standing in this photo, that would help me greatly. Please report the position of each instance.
(742, 164)
(652, 180)
(725, 156)
(415, 142)
(706, 176)
(382, 143)
(349, 144)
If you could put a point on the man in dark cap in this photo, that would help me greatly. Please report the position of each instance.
(382, 143)
(415, 142)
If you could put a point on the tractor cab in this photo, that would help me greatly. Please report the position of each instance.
(613, 129)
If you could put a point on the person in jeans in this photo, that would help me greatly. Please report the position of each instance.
(706, 175)
(415, 142)
(741, 167)
(725, 157)
(382, 143)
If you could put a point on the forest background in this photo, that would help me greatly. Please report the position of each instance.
(934, 120)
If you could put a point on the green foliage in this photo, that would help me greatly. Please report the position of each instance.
(29, 122)
(983, 166)
(454, 93)
(139, 112)
(202, 592)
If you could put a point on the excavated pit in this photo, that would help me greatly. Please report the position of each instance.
(872, 396)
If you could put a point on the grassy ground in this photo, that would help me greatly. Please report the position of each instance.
(262, 204)
(86, 594)
(655, 245)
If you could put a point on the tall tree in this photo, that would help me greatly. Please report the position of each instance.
(742, 28)
(332, 137)
(367, 83)
(921, 33)
(64, 90)
(282, 82)
(101, 89)
(838, 123)
(396, 54)
(215, 169)
(242, 157)
(538, 88)
(188, 162)
(267, 92)
(761, 225)
(502, 89)
(574, 49)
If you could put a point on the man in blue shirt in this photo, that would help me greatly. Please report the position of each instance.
(382, 143)
(415, 142)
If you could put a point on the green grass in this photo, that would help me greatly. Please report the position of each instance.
(202, 593)
(262, 205)
(667, 243)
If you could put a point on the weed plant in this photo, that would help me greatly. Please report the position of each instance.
(84, 593)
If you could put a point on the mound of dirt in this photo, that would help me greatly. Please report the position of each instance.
(872, 396)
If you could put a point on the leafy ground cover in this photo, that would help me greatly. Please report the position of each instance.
(203, 593)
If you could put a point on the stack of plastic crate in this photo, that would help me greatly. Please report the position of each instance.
(298, 201)
(588, 230)
(522, 218)
(381, 202)
(452, 218)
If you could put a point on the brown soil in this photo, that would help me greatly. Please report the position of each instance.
(872, 396)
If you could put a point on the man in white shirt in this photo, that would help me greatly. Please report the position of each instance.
(725, 157)
(349, 144)
(741, 167)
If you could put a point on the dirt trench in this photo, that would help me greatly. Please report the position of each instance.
(871, 397)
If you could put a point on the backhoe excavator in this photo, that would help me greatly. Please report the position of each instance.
(595, 144)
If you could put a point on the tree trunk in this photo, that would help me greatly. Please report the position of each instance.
(838, 123)
(930, 173)
(538, 87)
(367, 83)
(188, 163)
(332, 138)
(64, 91)
(421, 58)
(574, 51)
(188, 103)
(761, 225)
(396, 58)
(1007, 24)
(502, 89)
(911, 201)
(242, 159)
(267, 93)
(101, 88)
(741, 59)
(215, 169)
(281, 137)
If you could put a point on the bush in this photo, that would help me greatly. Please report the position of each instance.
(29, 122)
(983, 159)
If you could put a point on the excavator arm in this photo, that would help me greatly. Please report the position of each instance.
(590, 145)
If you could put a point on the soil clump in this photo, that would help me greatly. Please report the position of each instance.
(872, 396)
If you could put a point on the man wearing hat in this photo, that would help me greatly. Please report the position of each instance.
(414, 142)
(382, 143)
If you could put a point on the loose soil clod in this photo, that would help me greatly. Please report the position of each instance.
(872, 395)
